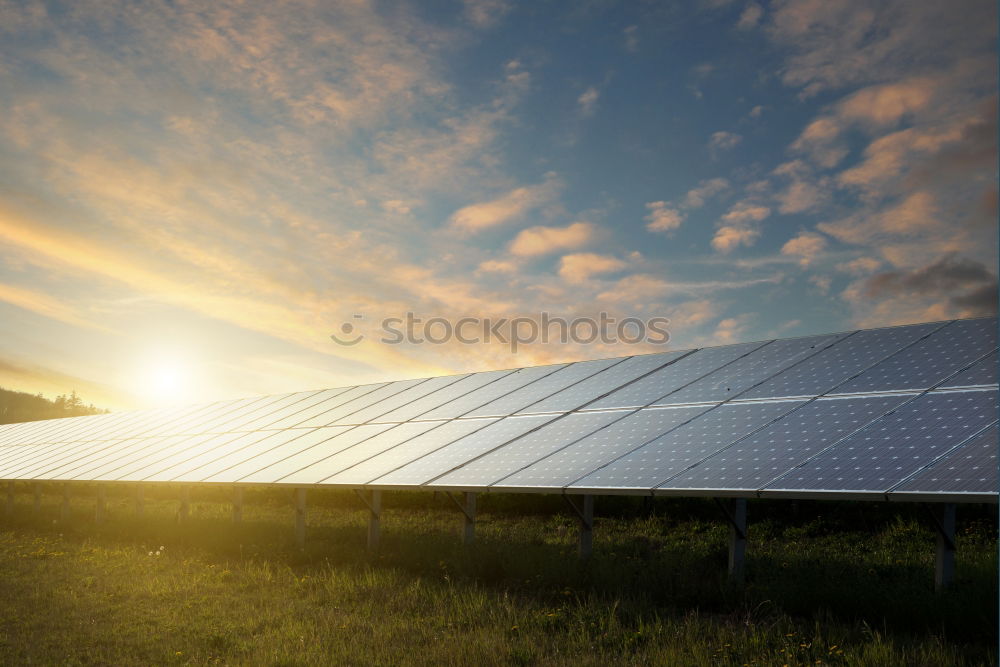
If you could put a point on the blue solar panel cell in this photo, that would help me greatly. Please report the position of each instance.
(416, 409)
(895, 446)
(542, 388)
(733, 379)
(969, 468)
(674, 452)
(931, 360)
(570, 464)
(427, 388)
(756, 460)
(330, 465)
(461, 451)
(491, 392)
(361, 402)
(605, 382)
(671, 378)
(527, 449)
(839, 362)
(983, 372)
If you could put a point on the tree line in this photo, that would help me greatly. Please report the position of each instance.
(18, 406)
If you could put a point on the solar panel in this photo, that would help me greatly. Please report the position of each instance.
(527, 449)
(424, 389)
(673, 377)
(363, 401)
(848, 356)
(272, 450)
(335, 399)
(983, 372)
(542, 388)
(886, 451)
(569, 464)
(461, 451)
(904, 412)
(464, 387)
(274, 446)
(969, 468)
(489, 393)
(684, 446)
(276, 470)
(316, 472)
(602, 383)
(920, 366)
(753, 462)
(731, 380)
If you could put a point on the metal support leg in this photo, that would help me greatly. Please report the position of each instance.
(101, 503)
(468, 509)
(64, 510)
(737, 539)
(586, 516)
(237, 505)
(10, 499)
(375, 520)
(185, 509)
(140, 500)
(300, 518)
(944, 565)
(38, 499)
(469, 532)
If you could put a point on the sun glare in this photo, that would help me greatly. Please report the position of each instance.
(165, 378)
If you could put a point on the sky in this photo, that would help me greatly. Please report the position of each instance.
(194, 196)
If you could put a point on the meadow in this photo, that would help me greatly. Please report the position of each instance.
(827, 584)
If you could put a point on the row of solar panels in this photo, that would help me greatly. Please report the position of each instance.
(904, 410)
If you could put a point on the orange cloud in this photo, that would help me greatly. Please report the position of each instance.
(543, 240)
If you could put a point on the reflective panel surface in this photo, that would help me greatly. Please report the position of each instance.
(970, 468)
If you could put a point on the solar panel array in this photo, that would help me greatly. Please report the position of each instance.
(903, 413)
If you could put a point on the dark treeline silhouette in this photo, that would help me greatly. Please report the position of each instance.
(18, 406)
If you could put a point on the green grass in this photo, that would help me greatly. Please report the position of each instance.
(828, 583)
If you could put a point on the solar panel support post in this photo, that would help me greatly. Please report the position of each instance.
(237, 505)
(300, 518)
(944, 563)
(185, 509)
(99, 511)
(736, 512)
(9, 509)
(374, 505)
(586, 516)
(64, 510)
(468, 509)
(37, 507)
(140, 500)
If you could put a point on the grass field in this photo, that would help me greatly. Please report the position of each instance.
(827, 583)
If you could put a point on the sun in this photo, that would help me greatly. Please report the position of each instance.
(165, 378)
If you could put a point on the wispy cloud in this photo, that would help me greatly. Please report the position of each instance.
(512, 205)
(662, 218)
(588, 101)
(580, 267)
(544, 240)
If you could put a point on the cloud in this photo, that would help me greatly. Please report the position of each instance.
(48, 306)
(543, 240)
(588, 101)
(950, 287)
(888, 103)
(727, 238)
(750, 17)
(498, 266)
(822, 283)
(757, 111)
(706, 190)
(485, 13)
(662, 218)
(860, 266)
(806, 246)
(631, 34)
(579, 267)
(722, 140)
(731, 330)
(509, 206)
(745, 212)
